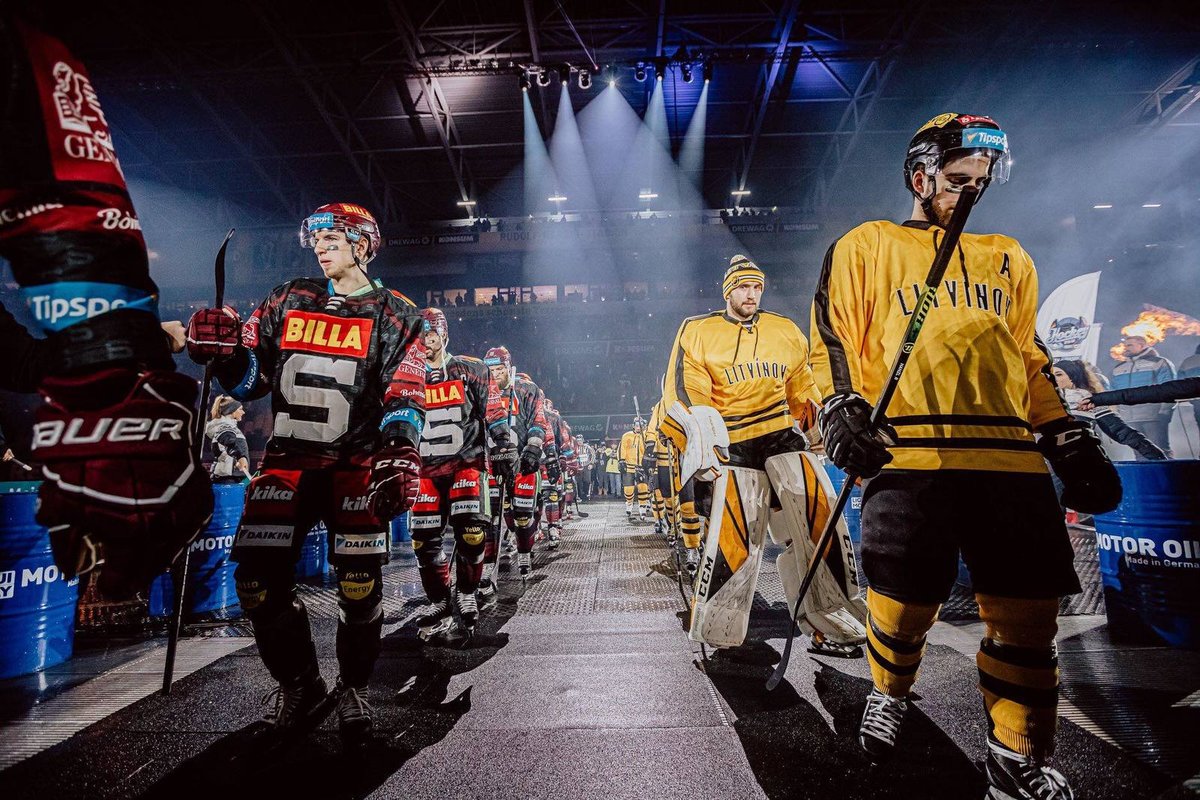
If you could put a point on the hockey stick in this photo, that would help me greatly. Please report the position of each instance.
(937, 270)
(179, 573)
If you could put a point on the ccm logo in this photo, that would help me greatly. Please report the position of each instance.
(108, 429)
(394, 462)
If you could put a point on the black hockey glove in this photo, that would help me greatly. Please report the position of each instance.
(850, 443)
(504, 462)
(1090, 481)
(531, 459)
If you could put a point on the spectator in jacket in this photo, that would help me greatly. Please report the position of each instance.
(1143, 366)
(230, 452)
(1077, 380)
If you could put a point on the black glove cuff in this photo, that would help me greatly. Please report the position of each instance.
(124, 337)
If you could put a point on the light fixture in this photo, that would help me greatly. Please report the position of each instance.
(585, 79)
(524, 81)
(646, 194)
(1102, 205)
(557, 198)
(639, 73)
(564, 74)
(740, 193)
(660, 68)
(686, 71)
(1151, 205)
(543, 78)
(466, 203)
(708, 71)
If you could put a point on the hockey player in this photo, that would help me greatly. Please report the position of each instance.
(524, 400)
(462, 408)
(70, 233)
(631, 452)
(750, 367)
(344, 365)
(657, 469)
(966, 475)
(557, 458)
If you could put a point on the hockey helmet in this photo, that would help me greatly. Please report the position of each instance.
(354, 221)
(498, 357)
(959, 134)
(436, 322)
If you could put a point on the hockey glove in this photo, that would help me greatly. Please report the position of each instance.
(395, 481)
(531, 457)
(504, 462)
(1090, 481)
(123, 486)
(213, 333)
(850, 443)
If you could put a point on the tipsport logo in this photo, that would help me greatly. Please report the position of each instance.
(985, 138)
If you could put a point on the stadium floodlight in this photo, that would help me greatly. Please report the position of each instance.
(585, 79)
(740, 193)
(646, 194)
(466, 203)
(686, 71)
(543, 78)
(639, 73)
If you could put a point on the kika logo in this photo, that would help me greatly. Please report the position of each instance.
(440, 395)
(321, 333)
(465, 483)
(994, 139)
(272, 493)
(108, 429)
(354, 503)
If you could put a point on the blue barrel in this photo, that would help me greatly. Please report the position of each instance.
(37, 604)
(313, 562)
(400, 532)
(853, 512)
(212, 591)
(1150, 553)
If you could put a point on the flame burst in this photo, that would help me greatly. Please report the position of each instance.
(1153, 324)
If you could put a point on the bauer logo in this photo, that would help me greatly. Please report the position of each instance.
(321, 333)
(8, 584)
(54, 433)
(984, 137)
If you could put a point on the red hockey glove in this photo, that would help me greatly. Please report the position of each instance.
(213, 333)
(1090, 481)
(395, 479)
(122, 482)
(850, 443)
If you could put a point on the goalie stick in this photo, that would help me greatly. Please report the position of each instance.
(937, 270)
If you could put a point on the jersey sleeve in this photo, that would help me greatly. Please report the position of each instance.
(800, 388)
(495, 413)
(839, 319)
(535, 418)
(1045, 404)
(244, 374)
(687, 382)
(402, 366)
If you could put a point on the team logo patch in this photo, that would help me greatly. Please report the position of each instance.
(322, 333)
(940, 121)
(440, 395)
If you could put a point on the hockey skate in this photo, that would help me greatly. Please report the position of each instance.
(355, 715)
(1012, 776)
(881, 724)
(692, 562)
(299, 706)
(486, 594)
(507, 550)
(438, 621)
(821, 645)
(524, 564)
(658, 527)
(553, 534)
(468, 609)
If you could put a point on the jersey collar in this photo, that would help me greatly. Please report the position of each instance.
(745, 323)
(372, 285)
(919, 224)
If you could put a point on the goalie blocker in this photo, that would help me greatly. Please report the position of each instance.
(790, 496)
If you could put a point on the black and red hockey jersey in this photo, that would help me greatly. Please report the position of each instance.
(526, 414)
(340, 369)
(463, 407)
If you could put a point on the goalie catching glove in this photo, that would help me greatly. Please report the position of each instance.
(395, 481)
(850, 443)
(123, 486)
(1090, 481)
(706, 445)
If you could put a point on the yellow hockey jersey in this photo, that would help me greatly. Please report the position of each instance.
(977, 384)
(631, 450)
(754, 373)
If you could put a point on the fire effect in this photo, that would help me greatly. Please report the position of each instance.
(1153, 324)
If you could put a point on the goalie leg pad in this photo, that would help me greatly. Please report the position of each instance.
(733, 552)
(833, 606)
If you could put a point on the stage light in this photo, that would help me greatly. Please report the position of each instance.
(740, 193)
(585, 79)
(564, 74)
(1102, 205)
(466, 203)
(660, 69)
(543, 78)
(686, 70)
(639, 74)
(708, 71)
(557, 198)
(524, 81)
(1151, 205)
(646, 194)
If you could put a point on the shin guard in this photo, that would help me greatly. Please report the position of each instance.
(728, 571)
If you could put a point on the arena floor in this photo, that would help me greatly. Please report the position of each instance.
(583, 684)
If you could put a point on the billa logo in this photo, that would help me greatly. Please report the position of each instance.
(445, 394)
(322, 333)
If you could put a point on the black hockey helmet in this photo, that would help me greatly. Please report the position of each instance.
(958, 134)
